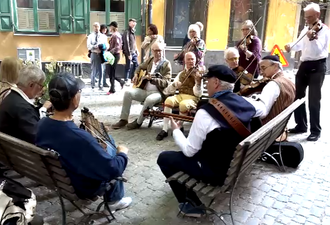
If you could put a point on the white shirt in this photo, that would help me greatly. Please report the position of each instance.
(202, 125)
(197, 89)
(42, 110)
(101, 39)
(316, 49)
(264, 101)
(149, 86)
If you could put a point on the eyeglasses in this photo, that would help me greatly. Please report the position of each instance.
(245, 29)
(233, 59)
(263, 68)
(40, 85)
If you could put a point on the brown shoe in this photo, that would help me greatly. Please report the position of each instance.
(133, 125)
(120, 124)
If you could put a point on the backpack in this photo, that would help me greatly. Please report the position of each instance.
(17, 203)
(292, 153)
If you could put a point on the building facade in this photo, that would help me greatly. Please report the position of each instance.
(59, 28)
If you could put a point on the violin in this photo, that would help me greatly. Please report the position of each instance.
(317, 26)
(253, 88)
(243, 76)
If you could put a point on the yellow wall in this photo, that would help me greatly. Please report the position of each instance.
(218, 24)
(158, 15)
(66, 47)
(281, 22)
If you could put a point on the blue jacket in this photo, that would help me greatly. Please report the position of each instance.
(83, 158)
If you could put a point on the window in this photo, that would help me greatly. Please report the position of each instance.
(105, 12)
(35, 15)
(242, 10)
(179, 15)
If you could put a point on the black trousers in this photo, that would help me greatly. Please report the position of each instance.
(311, 74)
(111, 71)
(171, 162)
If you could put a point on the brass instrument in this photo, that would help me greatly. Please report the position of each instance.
(94, 127)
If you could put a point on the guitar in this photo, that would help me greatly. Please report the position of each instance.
(142, 79)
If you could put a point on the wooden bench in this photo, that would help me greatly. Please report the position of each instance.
(44, 167)
(247, 152)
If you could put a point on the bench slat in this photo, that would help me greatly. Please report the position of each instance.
(191, 183)
(214, 192)
(198, 187)
(183, 178)
(174, 176)
(207, 189)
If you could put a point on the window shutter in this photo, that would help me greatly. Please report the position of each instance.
(65, 16)
(80, 15)
(133, 10)
(6, 22)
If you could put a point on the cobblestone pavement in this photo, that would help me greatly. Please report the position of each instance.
(264, 195)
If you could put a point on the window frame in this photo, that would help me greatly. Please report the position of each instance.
(36, 20)
(252, 17)
(177, 42)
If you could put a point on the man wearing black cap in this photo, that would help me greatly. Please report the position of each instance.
(278, 93)
(208, 150)
(115, 45)
(86, 162)
(130, 51)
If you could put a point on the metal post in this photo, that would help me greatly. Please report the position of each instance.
(149, 12)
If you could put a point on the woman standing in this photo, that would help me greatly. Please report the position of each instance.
(249, 48)
(104, 30)
(149, 40)
(9, 70)
(115, 44)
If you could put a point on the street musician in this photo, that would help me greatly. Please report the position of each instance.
(88, 166)
(190, 86)
(277, 94)
(207, 152)
(249, 49)
(231, 55)
(151, 78)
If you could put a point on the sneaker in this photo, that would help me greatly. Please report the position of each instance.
(106, 85)
(120, 124)
(128, 82)
(189, 210)
(122, 204)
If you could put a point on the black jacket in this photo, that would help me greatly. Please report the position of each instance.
(129, 45)
(19, 118)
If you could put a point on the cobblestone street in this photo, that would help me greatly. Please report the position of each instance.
(264, 195)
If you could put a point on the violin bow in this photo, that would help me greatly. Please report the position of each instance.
(297, 41)
(245, 69)
(254, 25)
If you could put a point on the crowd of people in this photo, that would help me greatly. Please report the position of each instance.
(90, 166)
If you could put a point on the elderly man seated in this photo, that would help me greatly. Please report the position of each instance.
(231, 55)
(207, 152)
(189, 84)
(88, 164)
(18, 114)
(150, 91)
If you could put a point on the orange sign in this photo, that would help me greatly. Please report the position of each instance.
(277, 51)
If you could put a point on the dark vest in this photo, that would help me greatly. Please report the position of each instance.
(219, 145)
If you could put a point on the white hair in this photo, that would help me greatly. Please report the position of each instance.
(230, 50)
(201, 26)
(96, 24)
(195, 28)
(312, 6)
(30, 74)
(226, 86)
(157, 44)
